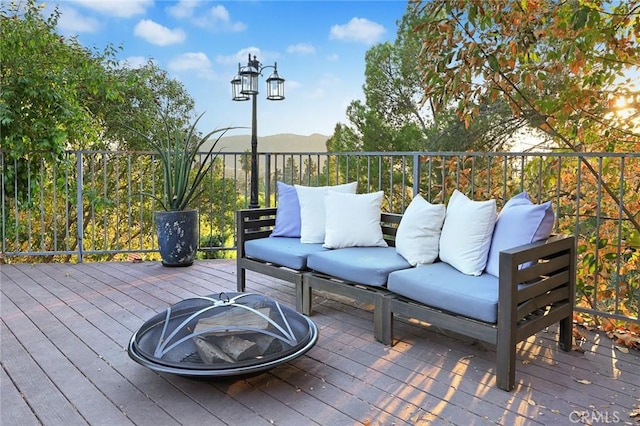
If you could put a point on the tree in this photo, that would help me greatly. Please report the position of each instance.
(58, 95)
(561, 65)
(397, 116)
(477, 53)
(565, 68)
(148, 94)
(47, 82)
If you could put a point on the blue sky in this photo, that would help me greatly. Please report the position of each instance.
(319, 47)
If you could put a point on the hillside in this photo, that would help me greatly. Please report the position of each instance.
(282, 143)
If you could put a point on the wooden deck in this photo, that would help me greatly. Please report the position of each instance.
(65, 328)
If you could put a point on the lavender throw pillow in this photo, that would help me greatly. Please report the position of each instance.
(288, 212)
(519, 222)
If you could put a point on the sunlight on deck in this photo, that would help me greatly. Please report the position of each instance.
(62, 321)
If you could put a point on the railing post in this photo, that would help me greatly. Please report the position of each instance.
(79, 206)
(416, 174)
(267, 180)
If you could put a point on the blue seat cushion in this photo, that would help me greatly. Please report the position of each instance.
(284, 251)
(442, 286)
(363, 265)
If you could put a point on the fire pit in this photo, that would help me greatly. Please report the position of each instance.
(223, 335)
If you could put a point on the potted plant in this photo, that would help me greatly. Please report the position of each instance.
(178, 223)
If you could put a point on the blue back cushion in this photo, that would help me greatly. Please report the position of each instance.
(287, 213)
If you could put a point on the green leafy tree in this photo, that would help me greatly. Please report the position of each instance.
(397, 116)
(291, 172)
(58, 95)
(45, 83)
(151, 100)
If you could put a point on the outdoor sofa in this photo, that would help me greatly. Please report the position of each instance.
(495, 278)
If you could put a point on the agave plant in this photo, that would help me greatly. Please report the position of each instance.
(177, 153)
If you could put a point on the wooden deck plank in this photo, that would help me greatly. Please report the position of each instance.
(49, 383)
(76, 367)
(472, 363)
(551, 375)
(178, 288)
(181, 410)
(390, 378)
(85, 314)
(12, 402)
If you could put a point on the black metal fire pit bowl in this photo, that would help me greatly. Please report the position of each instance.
(222, 335)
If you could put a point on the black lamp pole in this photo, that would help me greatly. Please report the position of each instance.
(254, 204)
(243, 85)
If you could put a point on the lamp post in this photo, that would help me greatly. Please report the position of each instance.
(245, 85)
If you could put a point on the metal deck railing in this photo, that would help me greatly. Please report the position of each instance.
(90, 205)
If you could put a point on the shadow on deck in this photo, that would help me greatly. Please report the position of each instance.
(65, 329)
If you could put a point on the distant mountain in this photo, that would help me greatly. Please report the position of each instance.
(281, 143)
(285, 143)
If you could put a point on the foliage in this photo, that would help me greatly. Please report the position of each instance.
(177, 151)
(561, 65)
(568, 69)
(46, 81)
(114, 215)
(145, 88)
(394, 116)
(57, 95)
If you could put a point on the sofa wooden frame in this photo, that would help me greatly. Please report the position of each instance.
(252, 224)
(523, 310)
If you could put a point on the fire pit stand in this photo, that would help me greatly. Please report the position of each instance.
(222, 335)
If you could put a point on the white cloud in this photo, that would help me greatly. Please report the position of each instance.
(121, 9)
(157, 34)
(358, 29)
(293, 85)
(316, 93)
(193, 61)
(220, 19)
(190, 61)
(329, 80)
(333, 57)
(221, 13)
(301, 48)
(184, 8)
(72, 22)
(236, 27)
(242, 56)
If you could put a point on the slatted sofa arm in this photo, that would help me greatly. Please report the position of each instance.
(389, 223)
(254, 223)
(251, 224)
(536, 290)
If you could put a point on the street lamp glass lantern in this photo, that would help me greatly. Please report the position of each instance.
(249, 80)
(236, 89)
(275, 87)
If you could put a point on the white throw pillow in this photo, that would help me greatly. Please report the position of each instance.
(312, 215)
(466, 233)
(519, 222)
(418, 235)
(353, 220)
